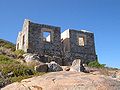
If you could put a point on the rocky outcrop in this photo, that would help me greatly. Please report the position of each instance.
(32, 59)
(66, 81)
(53, 67)
(77, 66)
(48, 67)
(41, 67)
(29, 57)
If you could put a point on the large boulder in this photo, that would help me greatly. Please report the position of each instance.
(29, 57)
(66, 81)
(41, 67)
(53, 67)
(77, 66)
(32, 59)
(47, 58)
(58, 60)
(66, 68)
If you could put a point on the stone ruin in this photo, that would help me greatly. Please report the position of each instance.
(46, 40)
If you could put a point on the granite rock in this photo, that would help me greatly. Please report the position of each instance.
(66, 81)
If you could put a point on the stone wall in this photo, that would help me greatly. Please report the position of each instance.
(38, 45)
(34, 41)
(70, 45)
(22, 39)
(85, 52)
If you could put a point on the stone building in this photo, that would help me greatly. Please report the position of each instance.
(78, 45)
(32, 39)
(44, 39)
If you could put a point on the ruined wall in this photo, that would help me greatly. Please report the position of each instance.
(31, 39)
(84, 51)
(65, 40)
(38, 45)
(68, 46)
(22, 39)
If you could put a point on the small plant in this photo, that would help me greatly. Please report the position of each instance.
(96, 64)
(104, 71)
(19, 78)
(9, 46)
(4, 60)
(19, 53)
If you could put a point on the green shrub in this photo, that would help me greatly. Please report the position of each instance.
(96, 64)
(19, 53)
(5, 60)
(7, 44)
(19, 71)
(8, 65)
(19, 78)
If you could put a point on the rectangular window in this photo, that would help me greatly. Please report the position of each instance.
(81, 41)
(23, 41)
(17, 46)
(47, 36)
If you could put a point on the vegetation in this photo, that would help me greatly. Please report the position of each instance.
(7, 44)
(96, 64)
(19, 53)
(11, 70)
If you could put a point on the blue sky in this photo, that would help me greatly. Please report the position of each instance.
(99, 16)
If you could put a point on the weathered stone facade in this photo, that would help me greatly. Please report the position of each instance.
(31, 39)
(78, 45)
(70, 45)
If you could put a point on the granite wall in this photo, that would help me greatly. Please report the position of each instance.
(35, 42)
(68, 46)
(85, 51)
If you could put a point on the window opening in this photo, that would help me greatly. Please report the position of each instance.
(47, 36)
(18, 46)
(23, 41)
(81, 41)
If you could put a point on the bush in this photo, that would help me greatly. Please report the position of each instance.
(4, 82)
(19, 78)
(96, 64)
(8, 65)
(19, 53)
(7, 44)
(5, 51)
(5, 60)
(12, 70)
